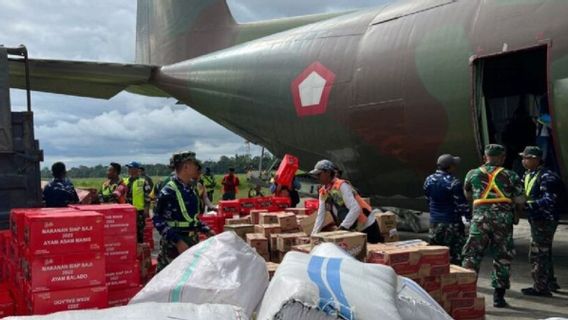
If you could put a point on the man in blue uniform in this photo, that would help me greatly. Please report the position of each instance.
(60, 192)
(177, 208)
(542, 190)
(448, 205)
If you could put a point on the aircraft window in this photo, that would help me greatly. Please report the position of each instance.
(399, 9)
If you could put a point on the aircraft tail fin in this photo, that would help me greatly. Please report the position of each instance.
(170, 31)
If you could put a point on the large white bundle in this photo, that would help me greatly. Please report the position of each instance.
(416, 304)
(223, 270)
(154, 311)
(314, 287)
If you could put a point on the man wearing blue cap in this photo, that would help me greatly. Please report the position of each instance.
(138, 195)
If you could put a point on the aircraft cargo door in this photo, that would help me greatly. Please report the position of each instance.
(511, 103)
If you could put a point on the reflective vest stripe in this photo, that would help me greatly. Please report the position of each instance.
(183, 208)
(137, 192)
(492, 186)
(529, 184)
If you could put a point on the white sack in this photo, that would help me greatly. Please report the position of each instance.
(330, 250)
(414, 303)
(154, 311)
(348, 287)
(222, 269)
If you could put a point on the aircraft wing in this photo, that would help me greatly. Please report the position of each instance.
(85, 79)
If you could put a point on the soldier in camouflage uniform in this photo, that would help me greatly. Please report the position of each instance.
(498, 199)
(542, 189)
(177, 208)
(448, 205)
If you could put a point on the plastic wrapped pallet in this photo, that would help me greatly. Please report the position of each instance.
(223, 270)
(154, 311)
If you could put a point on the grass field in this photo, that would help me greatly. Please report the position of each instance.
(243, 189)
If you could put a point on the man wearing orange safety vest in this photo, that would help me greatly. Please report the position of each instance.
(498, 199)
(349, 210)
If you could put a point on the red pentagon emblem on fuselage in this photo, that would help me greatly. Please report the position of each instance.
(311, 89)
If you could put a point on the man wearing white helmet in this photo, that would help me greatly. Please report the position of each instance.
(349, 210)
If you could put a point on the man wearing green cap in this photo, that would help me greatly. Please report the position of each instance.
(542, 190)
(497, 196)
(177, 208)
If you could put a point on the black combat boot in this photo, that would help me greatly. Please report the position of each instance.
(499, 298)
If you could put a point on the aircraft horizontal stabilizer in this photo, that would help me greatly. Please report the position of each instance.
(85, 79)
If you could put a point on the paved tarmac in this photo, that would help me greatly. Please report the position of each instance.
(523, 307)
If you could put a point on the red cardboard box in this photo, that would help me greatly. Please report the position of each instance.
(468, 308)
(7, 305)
(312, 206)
(287, 170)
(247, 204)
(63, 272)
(17, 216)
(214, 221)
(120, 219)
(117, 298)
(280, 204)
(264, 203)
(229, 208)
(75, 299)
(62, 233)
(123, 276)
(120, 249)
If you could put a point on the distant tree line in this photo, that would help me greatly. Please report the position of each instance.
(241, 163)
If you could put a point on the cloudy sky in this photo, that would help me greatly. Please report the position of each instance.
(127, 127)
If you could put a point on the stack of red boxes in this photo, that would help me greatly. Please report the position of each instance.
(215, 222)
(264, 203)
(229, 208)
(247, 204)
(455, 288)
(57, 261)
(280, 204)
(122, 268)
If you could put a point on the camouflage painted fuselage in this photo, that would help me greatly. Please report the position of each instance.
(402, 89)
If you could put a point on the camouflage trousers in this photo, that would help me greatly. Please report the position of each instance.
(168, 249)
(451, 235)
(140, 225)
(540, 253)
(494, 230)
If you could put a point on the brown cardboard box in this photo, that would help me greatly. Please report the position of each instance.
(297, 211)
(268, 218)
(303, 240)
(255, 215)
(435, 261)
(305, 248)
(468, 308)
(259, 242)
(241, 229)
(274, 241)
(459, 283)
(404, 261)
(286, 241)
(272, 267)
(268, 229)
(307, 224)
(320, 236)
(387, 221)
(243, 220)
(287, 221)
(355, 243)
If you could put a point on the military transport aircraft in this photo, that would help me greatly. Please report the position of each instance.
(381, 92)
